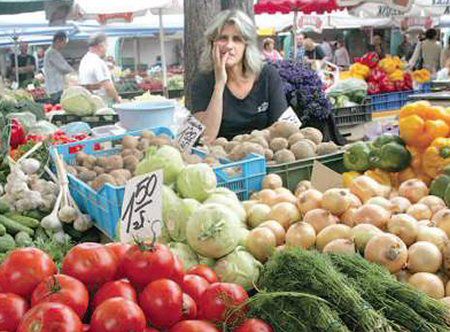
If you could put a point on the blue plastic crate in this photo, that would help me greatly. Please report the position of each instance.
(390, 101)
(104, 206)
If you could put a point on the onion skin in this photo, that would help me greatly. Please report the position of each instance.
(277, 229)
(381, 201)
(433, 235)
(261, 243)
(272, 181)
(442, 220)
(424, 257)
(428, 283)
(335, 200)
(257, 214)
(267, 196)
(419, 211)
(285, 213)
(362, 233)
(435, 203)
(400, 204)
(300, 235)
(403, 275)
(404, 226)
(309, 200)
(319, 219)
(387, 250)
(364, 187)
(348, 217)
(414, 190)
(372, 214)
(447, 289)
(331, 233)
(302, 186)
(446, 301)
(341, 246)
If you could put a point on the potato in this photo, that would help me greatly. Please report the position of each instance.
(312, 134)
(143, 144)
(130, 142)
(121, 173)
(114, 162)
(79, 158)
(268, 154)
(303, 150)
(259, 140)
(295, 138)
(130, 163)
(284, 156)
(278, 143)
(102, 179)
(87, 175)
(222, 141)
(283, 129)
(147, 134)
(126, 152)
(102, 162)
(120, 181)
(71, 170)
(89, 162)
(99, 170)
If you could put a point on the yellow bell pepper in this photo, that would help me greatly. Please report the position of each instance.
(359, 70)
(399, 63)
(344, 75)
(436, 157)
(382, 177)
(348, 177)
(397, 75)
(409, 173)
(421, 76)
(388, 64)
(420, 123)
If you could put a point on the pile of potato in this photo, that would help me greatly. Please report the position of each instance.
(281, 143)
(118, 169)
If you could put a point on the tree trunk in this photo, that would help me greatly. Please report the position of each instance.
(245, 5)
(197, 15)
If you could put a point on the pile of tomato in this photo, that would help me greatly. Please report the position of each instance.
(117, 288)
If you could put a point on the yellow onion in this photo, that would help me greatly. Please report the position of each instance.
(372, 214)
(428, 283)
(400, 204)
(336, 200)
(348, 217)
(403, 275)
(319, 219)
(277, 229)
(433, 235)
(285, 213)
(424, 257)
(388, 250)
(331, 233)
(404, 226)
(419, 211)
(309, 200)
(413, 189)
(340, 246)
(365, 188)
(300, 235)
(442, 220)
(435, 203)
(261, 243)
(257, 214)
(362, 233)
(302, 186)
(272, 181)
(381, 201)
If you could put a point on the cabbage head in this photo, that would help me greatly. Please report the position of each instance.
(196, 181)
(206, 261)
(224, 192)
(238, 267)
(234, 205)
(185, 253)
(176, 212)
(166, 158)
(78, 101)
(212, 231)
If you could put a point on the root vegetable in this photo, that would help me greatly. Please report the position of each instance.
(67, 214)
(272, 181)
(303, 150)
(79, 158)
(381, 201)
(362, 233)
(348, 217)
(433, 235)
(331, 233)
(309, 200)
(433, 202)
(283, 129)
(114, 162)
(364, 187)
(300, 235)
(442, 220)
(87, 176)
(355, 202)
(147, 134)
(428, 283)
(285, 213)
(285, 197)
(261, 243)
(130, 142)
(400, 204)
(341, 246)
(294, 138)
(284, 156)
(102, 180)
(143, 145)
(267, 196)
(403, 275)
(387, 250)
(413, 189)
(372, 214)
(446, 301)
(277, 229)
(404, 226)
(268, 154)
(337, 201)
(130, 163)
(126, 174)
(257, 214)
(319, 219)
(89, 162)
(99, 170)
(302, 186)
(248, 204)
(312, 134)
(278, 143)
(424, 257)
(447, 288)
(419, 211)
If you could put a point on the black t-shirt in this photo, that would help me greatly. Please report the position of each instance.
(23, 61)
(263, 106)
(316, 54)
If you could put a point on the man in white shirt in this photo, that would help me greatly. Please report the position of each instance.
(94, 74)
(56, 67)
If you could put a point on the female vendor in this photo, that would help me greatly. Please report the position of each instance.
(236, 91)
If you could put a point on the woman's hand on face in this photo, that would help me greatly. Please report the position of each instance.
(220, 60)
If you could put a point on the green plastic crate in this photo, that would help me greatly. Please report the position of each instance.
(293, 173)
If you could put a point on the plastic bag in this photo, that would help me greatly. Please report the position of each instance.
(27, 119)
(43, 128)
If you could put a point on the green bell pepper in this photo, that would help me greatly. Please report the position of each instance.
(389, 154)
(439, 185)
(356, 157)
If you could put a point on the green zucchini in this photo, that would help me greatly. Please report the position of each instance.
(4, 207)
(7, 243)
(14, 227)
(35, 214)
(26, 221)
(23, 239)
(2, 230)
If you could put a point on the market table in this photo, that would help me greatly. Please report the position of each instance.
(437, 98)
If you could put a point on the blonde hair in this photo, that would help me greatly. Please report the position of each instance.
(308, 44)
(253, 59)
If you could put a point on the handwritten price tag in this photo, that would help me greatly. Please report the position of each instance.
(142, 208)
(190, 132)
(290, 116)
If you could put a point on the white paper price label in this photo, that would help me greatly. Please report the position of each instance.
(290, 116)
(190, 132)
(142, 208)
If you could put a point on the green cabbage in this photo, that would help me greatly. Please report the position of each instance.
(224, 192)
(166, 158)
(185, 253)
(212, 231)
(176, 212)
(78, 101)
(238, 267)
(234, 205)
(206, 261)
(196, 181)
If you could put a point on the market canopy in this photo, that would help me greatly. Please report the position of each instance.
(26, 6)
(304, 6)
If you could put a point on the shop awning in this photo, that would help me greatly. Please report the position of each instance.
(24, 6)
(288, 6)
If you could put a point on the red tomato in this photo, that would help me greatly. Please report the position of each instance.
(50, 316)
(119, 288)
(194, 286)
(24, 269)
(91, 263)
(162, 303)
(86, 328)
(204, 271)
(194, 326)
(12, 309)
(119, 250)
(189, 307)
(62, 289)
(254, 325)
(219, 299)
(178, 269)
(144, 263)
(150, 329)
(117, 315)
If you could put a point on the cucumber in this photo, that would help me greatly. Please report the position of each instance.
(7, 243)
(35, 214)
(4, 207)
(25, 221)
(14, 227)
(23, 239)
(2, 230)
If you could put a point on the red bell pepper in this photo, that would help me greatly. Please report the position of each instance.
(399, 86)
(386, 85)
(369, 59)
(377, 75)
(48, 108)
(57, 107)
(17, 136)
(407, 79)
(373, 88)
